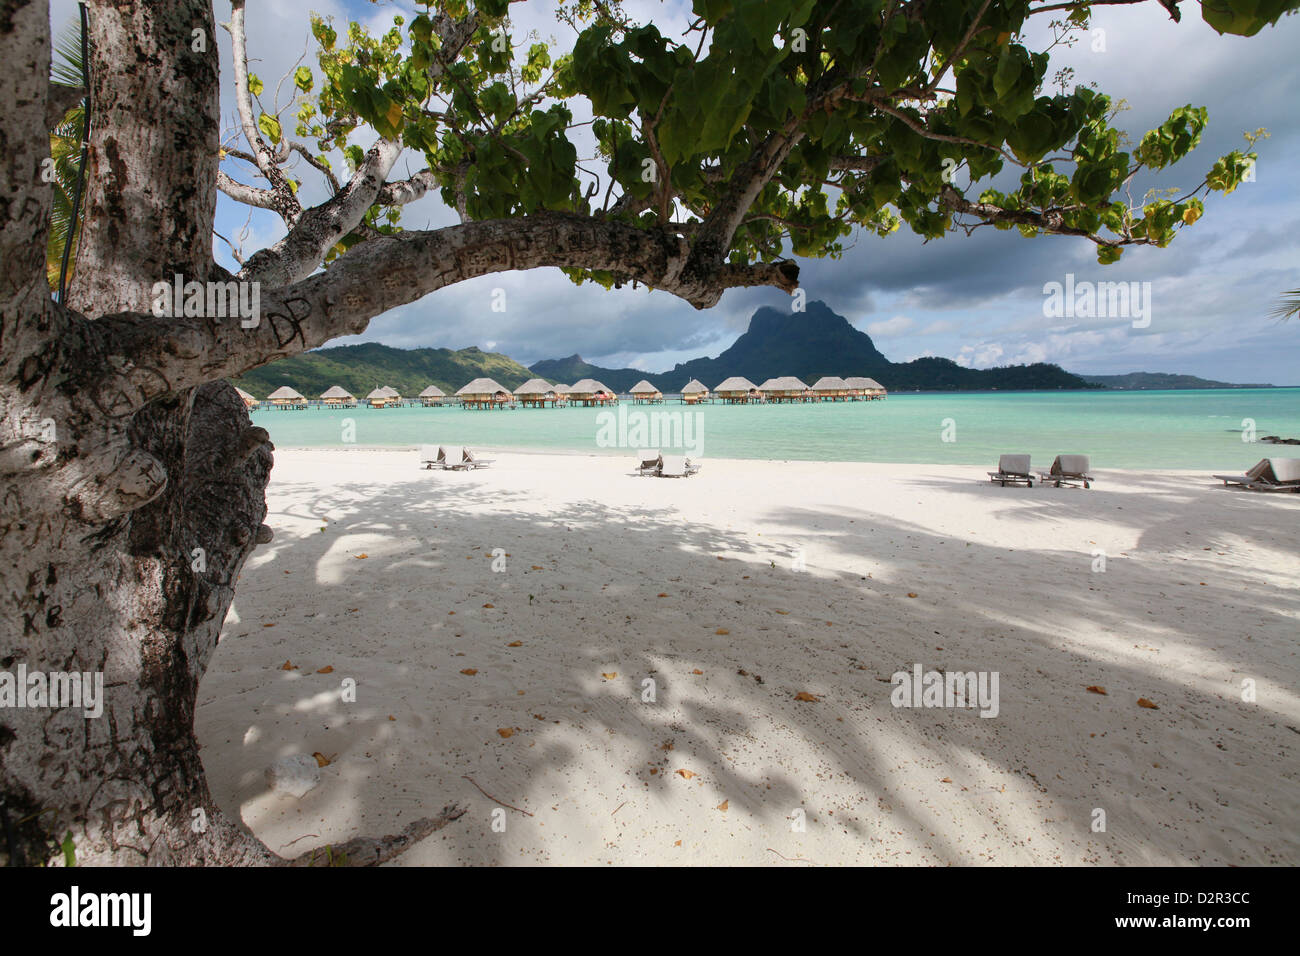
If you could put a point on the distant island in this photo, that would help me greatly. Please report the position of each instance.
(811, 344)
(1160, 380)
(807, 344)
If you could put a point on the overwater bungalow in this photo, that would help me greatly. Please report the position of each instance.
(383, 397)
(738, 390)
(536, 393)
(336, 396)
(561, 393)
(432, 396)
(484, 393)
(643, 393)
(830, 388)
(589, 392)
(694, 392)
(786, 388)
(864, 389)
(249, 400)
(287, 397)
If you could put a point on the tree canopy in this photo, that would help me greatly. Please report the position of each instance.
(771, 128)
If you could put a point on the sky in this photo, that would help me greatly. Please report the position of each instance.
(979, 300)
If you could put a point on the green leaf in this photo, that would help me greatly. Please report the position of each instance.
(269, 125)
(302, 79)
(69, 851)
(254, 84)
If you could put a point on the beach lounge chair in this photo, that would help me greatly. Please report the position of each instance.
(1068, 470)
(1271, 474)
(468, 461)
(1012, 469)
(433, 456)
(677, 466)
(649, 462)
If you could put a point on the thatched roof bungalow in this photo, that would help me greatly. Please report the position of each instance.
(588, 391)
(383, 397)
(249, 400)
(864, 388)
(431, 396)
(484, 393)
(336, 396)
(643, 393)
(287, 397)
(694, 392)
(830, 388)
(738, 390)
(785, 388)
(536, 393)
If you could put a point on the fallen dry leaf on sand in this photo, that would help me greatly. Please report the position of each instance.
(321, 759)
(663, 595)
(911, 594)
(1149, 705)
(685, 774)
(946, 780)
(268, 625)
(537, 567)
(470, 671)
(610, 676)
(506, 731)
(515, 644)
(723, 805)
(697, 671)
(1096, 689)
(327, 669)
(722, 630)
(286, 666)
(360, 556)
(391, 717)
(782, 612)
(489, 605)
(804, 695)
(678, 843)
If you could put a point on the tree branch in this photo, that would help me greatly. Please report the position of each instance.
(248, 195)
(149, 357)
(287, 203)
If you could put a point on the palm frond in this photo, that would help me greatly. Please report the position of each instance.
(1289, 307)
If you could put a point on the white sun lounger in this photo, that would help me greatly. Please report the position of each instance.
(677, 466)
(1270, 474)
(468, 461)
(433, 456)
(649, 462)
(1068, 470)
(1012, 469)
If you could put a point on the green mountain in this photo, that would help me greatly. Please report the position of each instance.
(811, 344)
(362, 368)
(1159, 380)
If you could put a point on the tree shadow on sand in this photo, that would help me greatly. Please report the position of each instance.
(730, 635)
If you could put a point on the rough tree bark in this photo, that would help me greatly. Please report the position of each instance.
(105, 500)
(121, 448)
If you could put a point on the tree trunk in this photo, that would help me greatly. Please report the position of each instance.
(121, 535)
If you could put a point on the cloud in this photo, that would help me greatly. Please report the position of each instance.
(890, 327)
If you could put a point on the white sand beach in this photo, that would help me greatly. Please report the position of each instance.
(530, 680)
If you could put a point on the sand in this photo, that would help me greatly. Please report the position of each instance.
(736, 591)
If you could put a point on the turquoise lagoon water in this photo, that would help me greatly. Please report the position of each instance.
(1142, 429)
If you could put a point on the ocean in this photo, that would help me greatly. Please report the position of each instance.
(1175, 429)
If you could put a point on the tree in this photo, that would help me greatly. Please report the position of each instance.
(773, 126)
